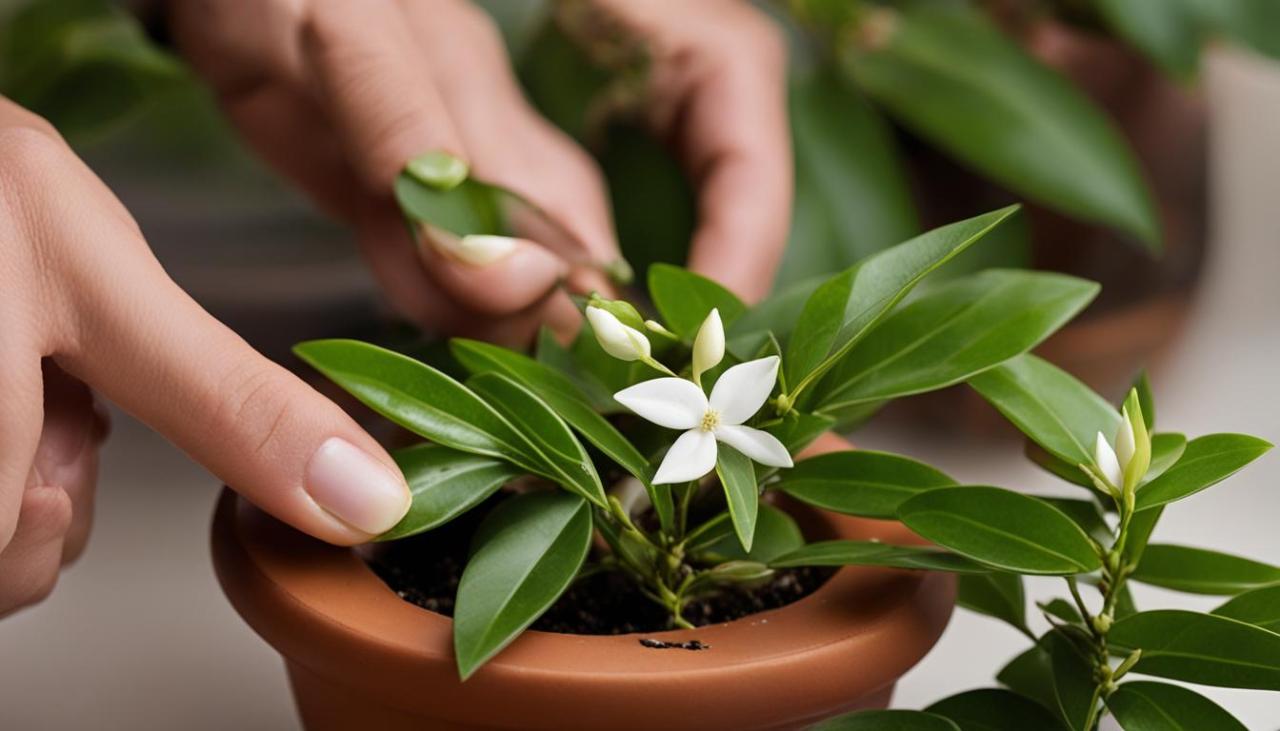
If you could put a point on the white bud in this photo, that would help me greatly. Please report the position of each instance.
(1104, 457)
(1125, 445)
(708, 346)
(656, 327)
(618, 340)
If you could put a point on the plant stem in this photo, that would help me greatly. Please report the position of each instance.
(1115, 572)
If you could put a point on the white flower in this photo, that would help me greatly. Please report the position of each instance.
(621, 341)
(677, 403)
(1125, 444)
(708, 346)
(1108, 464)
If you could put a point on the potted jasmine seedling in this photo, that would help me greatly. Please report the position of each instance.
(646, 528)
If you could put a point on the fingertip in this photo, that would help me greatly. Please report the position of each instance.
(493, 275)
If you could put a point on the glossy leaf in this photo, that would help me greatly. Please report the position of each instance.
(956, 80)
(995, 709)
(1201, 571)
(886, 720)
(1001, 528)
(1049, 405)
(776, 315)
(874, 553)
(563, 457)
(419, 398)
(472, 207)
(1072, 679)
(996, 594)
(738, 478)
(684, 299)
(776, 534)
(845, 308)
(1031, 674)
(1144, 705)
(445, 484)
(1200, 648)
(527, 553)
(570, 404)
(1085, 514)
(1141, 527)
(1166, 450)
(852, 198)
(954, 332)
(860, 482)
(1206, 461)
(1260, 607)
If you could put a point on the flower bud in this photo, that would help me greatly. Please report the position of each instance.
(708, 346)
(618, 340)
(1135, 468)
(626, 312)
(1104, 457)
(1124, 440)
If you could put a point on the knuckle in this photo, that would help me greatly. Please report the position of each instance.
(256, 406)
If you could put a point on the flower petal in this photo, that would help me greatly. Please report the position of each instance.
(1125, 444)
(742, 390)
(760, 446)
(671, 402)
(708, 346)
(692, 456)
(1105, 459)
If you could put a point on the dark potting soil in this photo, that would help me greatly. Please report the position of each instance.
(425, 570)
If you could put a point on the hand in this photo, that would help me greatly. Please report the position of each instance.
(84, 303)
(339, 96)
(717, 90)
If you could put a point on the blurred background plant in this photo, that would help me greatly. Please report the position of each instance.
(905, 115)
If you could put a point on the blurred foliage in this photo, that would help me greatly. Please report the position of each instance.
(866, 74)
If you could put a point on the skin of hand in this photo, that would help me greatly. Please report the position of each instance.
(83, 303)
(340, 95)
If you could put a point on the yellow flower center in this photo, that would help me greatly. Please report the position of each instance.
(710, 420)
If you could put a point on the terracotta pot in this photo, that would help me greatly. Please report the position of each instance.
(359, 657)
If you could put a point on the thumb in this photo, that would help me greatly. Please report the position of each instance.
(259, 428)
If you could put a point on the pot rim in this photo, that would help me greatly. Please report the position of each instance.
(324, 609)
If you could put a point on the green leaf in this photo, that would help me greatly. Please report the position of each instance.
(1260, 607)
(471, 207)
(960, 83)
(845, 308)
(1001, 528)
(1050, 406)
(562, 455)
(1144, 705)
(1251, 22)
(996, 594)
(1072, 679)
(852, 198)
(1201, 571)
(684, 299)
(995, 709)
(797, 429)
(1086, 515)
(886, 720)
(1200, 648)
(777, 314)
(1147, 400)
(1166, 450)
(419, 398)
(860, 482)
(1062, 610)
(875, 553)
(445, 484)
(528, 552)
(568, 401)
(1166, 31)
(953, 333)
(738, 477)
(1031, 674)
(1206, 461)
(1141, 527)
(776, 534)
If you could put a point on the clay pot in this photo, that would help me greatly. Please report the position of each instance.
(359, 657)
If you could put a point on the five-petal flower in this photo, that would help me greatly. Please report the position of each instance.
(677, 403)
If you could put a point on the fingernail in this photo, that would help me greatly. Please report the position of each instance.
(475, 249)
(356, 488)
(438, 169)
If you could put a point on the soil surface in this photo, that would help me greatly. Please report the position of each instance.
(425, 570)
